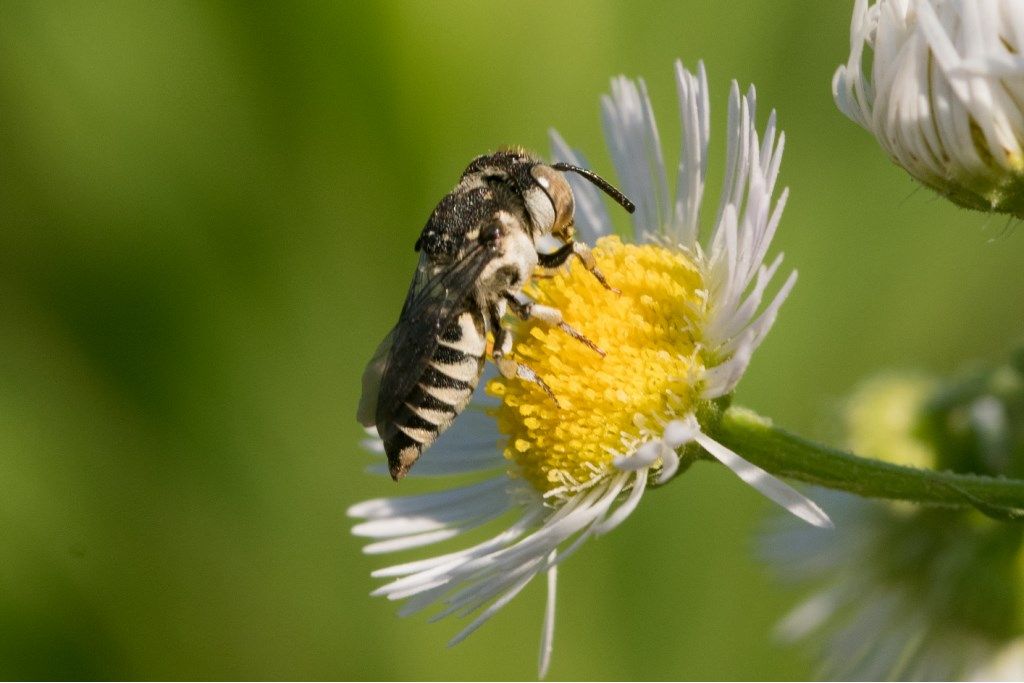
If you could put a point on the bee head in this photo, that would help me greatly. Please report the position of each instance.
(556, 215)
(550, 202)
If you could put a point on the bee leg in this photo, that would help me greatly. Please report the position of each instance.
(557, 257)
(526, 309)
(582, 252)
(508, 367)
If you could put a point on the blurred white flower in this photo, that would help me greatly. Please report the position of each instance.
(940, 84)
(678, 337)
(902, 592)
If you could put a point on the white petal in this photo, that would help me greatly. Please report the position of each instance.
(690, 175)
(774, 489)
(432, 564)
(680, 432)
(373, 443)
(723, 378)
(670, 466)
(490, 611)
(641, 458)
(627, 507)
(406, 542)
(547, 638)
(421, 504)
(807, 616)
(597, 514)
(633, 140)
(404, 525)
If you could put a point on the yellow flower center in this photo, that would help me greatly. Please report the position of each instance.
(607, 405)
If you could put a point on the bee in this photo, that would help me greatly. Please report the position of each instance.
(478, 250)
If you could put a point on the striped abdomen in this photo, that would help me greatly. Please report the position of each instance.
(443, 391)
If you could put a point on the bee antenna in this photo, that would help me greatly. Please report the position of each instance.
(608, 188)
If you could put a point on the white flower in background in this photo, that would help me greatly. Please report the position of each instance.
(902, 592)
(678, 337)
(940, 84)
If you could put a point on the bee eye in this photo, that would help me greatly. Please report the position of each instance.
(559, 194)
(541, 208)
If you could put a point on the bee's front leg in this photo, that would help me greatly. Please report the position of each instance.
(582, 252)
(526, 309)
(508, 367)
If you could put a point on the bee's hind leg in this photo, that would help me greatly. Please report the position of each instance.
(526, 309)
(508, 367)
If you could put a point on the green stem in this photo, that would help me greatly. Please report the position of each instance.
(787, 455)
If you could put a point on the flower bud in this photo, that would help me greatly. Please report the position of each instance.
(940, 84)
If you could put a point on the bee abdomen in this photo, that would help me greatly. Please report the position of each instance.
(443, 391)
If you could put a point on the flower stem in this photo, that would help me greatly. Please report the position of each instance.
(788, 455)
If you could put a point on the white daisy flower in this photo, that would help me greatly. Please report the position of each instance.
(940, 84)
(678, 337)
(904, 592)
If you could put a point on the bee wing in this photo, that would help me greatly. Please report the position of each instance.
(366, 413)
(437, 296)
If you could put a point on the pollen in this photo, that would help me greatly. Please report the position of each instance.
(603, 406)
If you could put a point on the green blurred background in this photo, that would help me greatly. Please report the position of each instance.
(207, 213)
